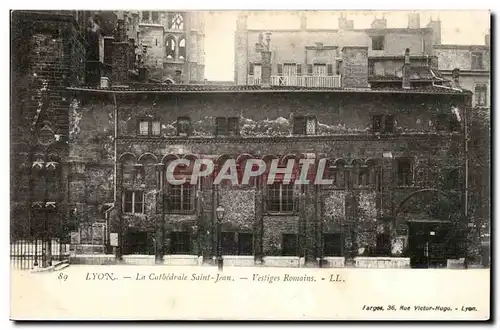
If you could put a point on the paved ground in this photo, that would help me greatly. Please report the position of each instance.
(179, 292)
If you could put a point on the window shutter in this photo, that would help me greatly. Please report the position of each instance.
(299, 69)
(329, 69)
(251, 69)
(233, 124)
(310, 69)
(389, 123)
(280, 69)
(339, 67)
(299, 125)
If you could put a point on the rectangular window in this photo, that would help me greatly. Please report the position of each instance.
(228, 243)
(154, 16)
(289, 245)
(404, 168)
(332, 245)
(310, 69)
(257, 71)
(149, 127)
(289, 70)
(280, 198)
(181, 198)
(183, 126)
(227, 126)
(304, 125)
(319, 70)
(480, 95)
(133, 202)
(477, 61)
(383, 123)
(329, 69)
(378, 42)
(145, 15)
(245, 244)
(447, 123)
(180, 242)
(299, 69)
(280, 69)
(155, 128)
(363, 177)
(377, 123)
(144, 127)
(233, 243)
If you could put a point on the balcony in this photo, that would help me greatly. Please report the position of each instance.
(302, 81)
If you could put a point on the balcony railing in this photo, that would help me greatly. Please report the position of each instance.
(302, 81)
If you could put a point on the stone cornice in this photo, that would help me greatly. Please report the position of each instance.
(264, 139)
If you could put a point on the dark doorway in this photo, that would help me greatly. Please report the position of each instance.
(427, 244)
(289, 247)
(332, 245)
(138, 242)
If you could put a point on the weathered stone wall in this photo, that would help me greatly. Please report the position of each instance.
(265, 122)
(47, 54)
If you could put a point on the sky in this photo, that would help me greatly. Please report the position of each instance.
(458, 27)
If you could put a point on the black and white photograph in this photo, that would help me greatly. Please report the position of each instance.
(255, 149)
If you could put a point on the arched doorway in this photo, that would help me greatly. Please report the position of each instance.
(430, 218)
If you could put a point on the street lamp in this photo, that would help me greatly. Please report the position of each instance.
(220, 215)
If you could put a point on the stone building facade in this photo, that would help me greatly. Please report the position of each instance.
(174, 43)
(315, 57)
(473, 64)
(48, 54)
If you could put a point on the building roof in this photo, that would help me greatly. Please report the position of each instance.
(418, 73)
(177, 89)
(465, 47)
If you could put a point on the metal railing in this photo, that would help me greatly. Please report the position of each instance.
(302, 81)
(27, 254)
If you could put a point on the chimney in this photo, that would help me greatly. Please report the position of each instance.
(241, 22)
(303, 22)
(407, 70)
(120, 62)
(121, 52)
(455, 78)
(344, 23)
(414, 21)
(266, 68)
(354, 68)
(436, 31)
(379, 23)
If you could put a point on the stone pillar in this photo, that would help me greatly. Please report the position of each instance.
(160, 217)
(310, 223)
(120, 62)
(258, 223)
(119, 216)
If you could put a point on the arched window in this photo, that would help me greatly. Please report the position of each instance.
(170, 52)
(177, 22)
(182, 48)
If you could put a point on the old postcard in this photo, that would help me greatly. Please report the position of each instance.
(250, 165)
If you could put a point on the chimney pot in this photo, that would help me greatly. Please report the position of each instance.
(303, 22)
(414, 21)
(455, 75)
